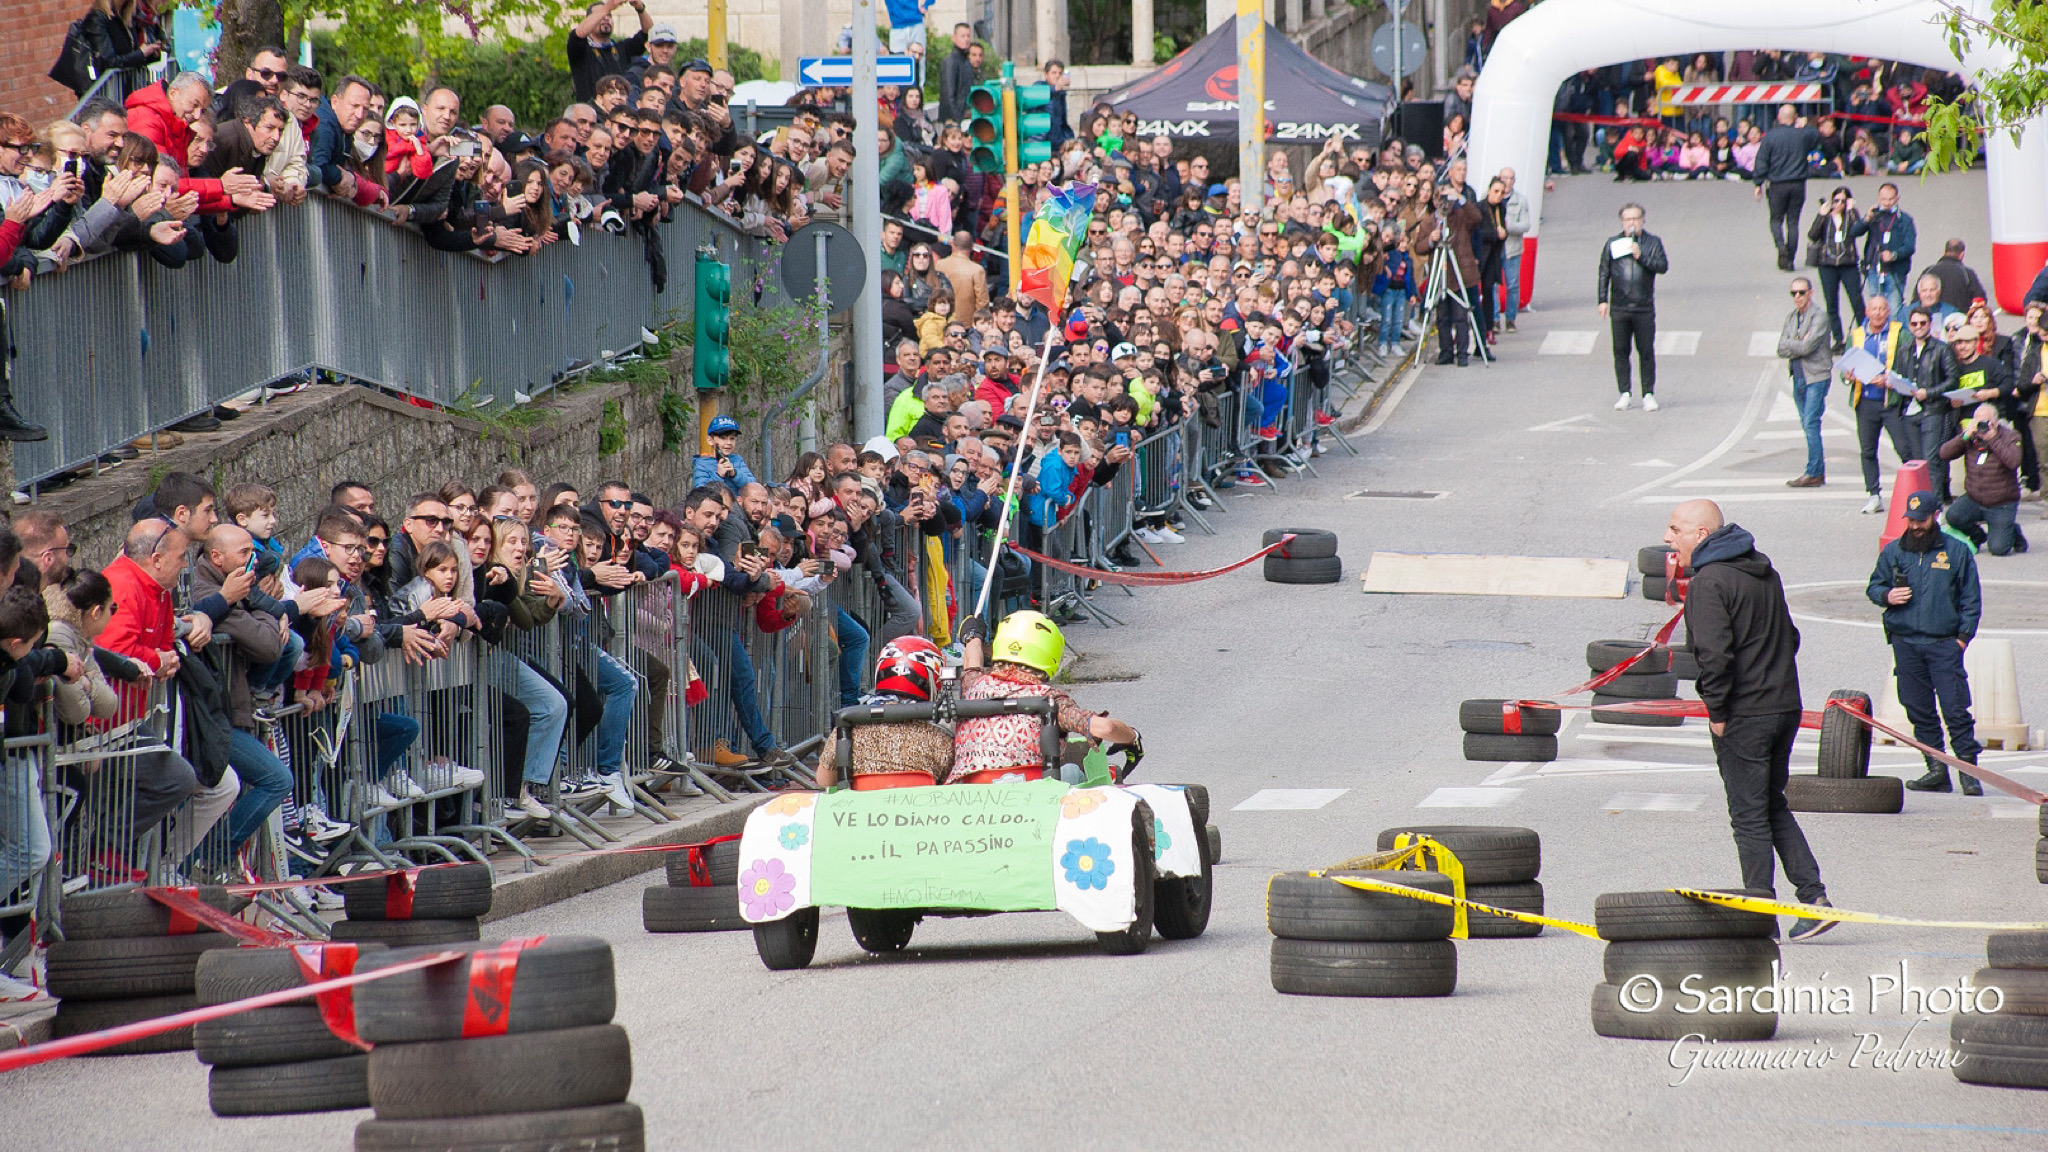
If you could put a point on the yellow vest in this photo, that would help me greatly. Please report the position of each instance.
(1857, 335)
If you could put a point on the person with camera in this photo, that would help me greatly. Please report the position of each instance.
(1987, 510)
(1831, 250)
(1630, 263)
(1926, 582)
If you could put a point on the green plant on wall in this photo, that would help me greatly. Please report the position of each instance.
(773, 351)
(611, 429)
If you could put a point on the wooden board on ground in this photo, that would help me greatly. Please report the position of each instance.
(1453, 574)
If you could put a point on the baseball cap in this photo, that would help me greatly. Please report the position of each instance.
(721, 425)
(1123, 350)
(703, 66)
(1954, 323)
(662, 34)
(1922, 506)
(881, 446)
(1013, 423)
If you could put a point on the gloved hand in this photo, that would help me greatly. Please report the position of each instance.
(974, 628)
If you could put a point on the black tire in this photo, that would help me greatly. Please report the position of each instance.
(1215, 837)
(1304, 907)
(882, 930)
(2026, 950)
(1321, 570)
(2041, 860)
(227, 974)
(721, 859)
(1364, 968)
(1742, 960)
(2042, 821)
(1198, 802)
(1180, 904)
(1479, 746)
(77, 1017)
(1845, 740)
(1669, 916)
(458, 893)
(1490, 717)
(1654, 589)
(1629, 686)
(1308, 543)
(480, 1076)
(2000, 1050)
(1610, 1019)
(686, 909)
(1872, 794)
(126, 968)
(405, 933)
(2025, 990)
(1630, 719)
(561, 982)
(282, 1089)
(1135, 939)
(123, 913)
(1685, 664)
(1650, 560)
(1490, 854)
(606, 1128)
(788, 943)
(1604, 654)
(286, 1034)
(1523, 897)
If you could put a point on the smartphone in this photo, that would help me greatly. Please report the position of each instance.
(250, 567)
(1123, 439)
(1899, 580)
(749, 551)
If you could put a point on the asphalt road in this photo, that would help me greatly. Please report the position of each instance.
(1014, 1032)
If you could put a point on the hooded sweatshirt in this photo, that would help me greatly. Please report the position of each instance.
(1743, 634)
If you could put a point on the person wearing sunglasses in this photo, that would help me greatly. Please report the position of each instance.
(1803, 345)
(427, 519)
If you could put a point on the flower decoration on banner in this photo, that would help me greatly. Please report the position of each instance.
(1160, 840)
(791, 803)
(1080, 802)
(1087, 863)
(794, 836)
(1056, 234)
(765, 889)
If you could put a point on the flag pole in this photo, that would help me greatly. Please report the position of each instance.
(995, 551)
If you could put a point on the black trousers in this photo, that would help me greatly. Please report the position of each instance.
(1639, 328)
(1786, 198)
(1835, 278)
(1453, 327)
(1930, 672)
(1875, 418)
(1754, 754)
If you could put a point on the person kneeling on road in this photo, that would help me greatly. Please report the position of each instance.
(1926, 582)
(999, 749)
(897, 754)
(1988, 510)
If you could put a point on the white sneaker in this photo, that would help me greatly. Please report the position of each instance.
(449, 774)
(1169, 536)
(1622, 404)
(616, 791)
(1147, 535)
(1649, 402)
(13, 991)
(1873, 504)
(381, 797)
(531, 805)
(398, 783)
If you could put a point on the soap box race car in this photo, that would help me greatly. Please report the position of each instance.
(1120, 860)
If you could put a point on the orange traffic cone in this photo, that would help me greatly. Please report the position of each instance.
(1910, 478)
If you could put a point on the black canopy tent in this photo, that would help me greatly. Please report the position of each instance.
(1194, 95)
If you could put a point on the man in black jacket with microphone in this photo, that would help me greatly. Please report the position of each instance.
(1629, 267)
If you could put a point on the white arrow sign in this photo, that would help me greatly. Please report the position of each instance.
(837, 71)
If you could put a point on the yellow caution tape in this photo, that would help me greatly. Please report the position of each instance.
(1819, 912)
(1410, 851)
(1463, 905)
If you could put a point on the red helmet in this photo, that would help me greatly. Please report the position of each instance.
(909, 667)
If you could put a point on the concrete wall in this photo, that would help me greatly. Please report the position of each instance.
(31, 32)
(784, 29)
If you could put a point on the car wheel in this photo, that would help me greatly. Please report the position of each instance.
(1135, 939)
(789, 942)
(882, 930)
(1180, 904)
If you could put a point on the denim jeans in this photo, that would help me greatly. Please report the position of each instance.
(1393, 316)
(547, 715)
(395, 734)
(1889, 285)
(742, 688)
(275, 673)
(265, 784)
(1812, 400)
(2000, 533)
(1754, 754)
(617, 685)
(853, 654)
(1511, 277)
(24, 825)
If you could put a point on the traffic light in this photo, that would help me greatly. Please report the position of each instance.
(710, 362)
(985, 126)
(1034, 123)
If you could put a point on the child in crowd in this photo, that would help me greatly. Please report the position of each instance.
(1394, 287)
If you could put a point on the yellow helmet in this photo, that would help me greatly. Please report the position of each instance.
(1030, 639)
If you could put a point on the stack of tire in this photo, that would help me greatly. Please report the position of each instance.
(1656, 564)
(1331, 940)
(126, 958)
(2007, 1048)
(704, 898)
(1843, 782)
(445, 907)
(1310, 558)
(1500, 866)
(1509, 729)
(1649, 678)
(2040, 848)
(277, 1060)
(1655, 941)
(549, 1071)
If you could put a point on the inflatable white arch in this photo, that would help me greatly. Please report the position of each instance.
(1512, 102)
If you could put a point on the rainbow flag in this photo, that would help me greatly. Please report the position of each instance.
(1056, 234)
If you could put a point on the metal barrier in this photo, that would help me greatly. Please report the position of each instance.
(117, 347)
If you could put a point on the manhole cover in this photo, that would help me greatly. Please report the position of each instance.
(1382, 494)
(2014, 606)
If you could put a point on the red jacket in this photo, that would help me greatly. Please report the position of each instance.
(142, 627)
(10, 239)
(150, 115)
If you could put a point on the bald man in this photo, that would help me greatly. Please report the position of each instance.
(1747, 647)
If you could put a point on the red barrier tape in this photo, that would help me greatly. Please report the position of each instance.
(107, 1038)
(1662, 637)
(1146, 579)
(488, 1010)
(2002, 783)
(319, 962)
(700, 868)
(398, 890)
(185, 905)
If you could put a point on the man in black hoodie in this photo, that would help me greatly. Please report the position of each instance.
(1748, 654)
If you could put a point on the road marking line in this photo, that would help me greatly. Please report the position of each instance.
(1800, 434)
(1763, 344)
(1579, 423)
(1730, 483)
(1470, 798)
(1289, 799)
(1652, 462)
(1559, 343)
(1515, 770)
(1677, 343)
(1654, 802)
(1762, 390)
(1783, 411)
(1800, 495)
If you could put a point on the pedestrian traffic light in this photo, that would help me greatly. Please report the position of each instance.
(710, 361)
(1034, 123)
(985, 126)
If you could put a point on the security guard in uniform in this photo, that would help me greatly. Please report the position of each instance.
(1926, 582)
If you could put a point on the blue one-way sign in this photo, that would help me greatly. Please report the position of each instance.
(837, 71)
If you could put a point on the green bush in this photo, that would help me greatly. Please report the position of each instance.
(531, 77)
(747, 64)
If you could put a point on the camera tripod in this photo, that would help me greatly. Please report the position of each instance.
(1453, 287)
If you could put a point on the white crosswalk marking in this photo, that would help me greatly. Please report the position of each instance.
(1655, 802)
(1557, 343)
(1763, 343)
(1470, 798)
(1677, 343)
(1289, 799)
(1783, 410)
